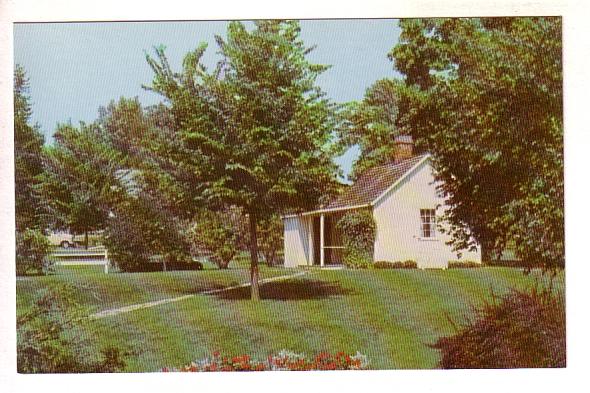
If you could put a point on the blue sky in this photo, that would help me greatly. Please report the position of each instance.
(74, 68)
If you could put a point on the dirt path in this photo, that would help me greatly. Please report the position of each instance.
(140, 306)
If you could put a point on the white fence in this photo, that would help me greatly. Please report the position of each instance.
(92, 256)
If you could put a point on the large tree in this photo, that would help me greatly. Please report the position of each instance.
(484, 96)
(28, 145)
(80, 181)
(256, 132)
(371, 125)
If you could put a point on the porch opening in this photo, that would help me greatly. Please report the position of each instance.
(329, 248)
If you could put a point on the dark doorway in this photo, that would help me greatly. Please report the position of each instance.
(316, 240)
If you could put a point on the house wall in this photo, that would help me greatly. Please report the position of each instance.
(397, 216)
(297, 241)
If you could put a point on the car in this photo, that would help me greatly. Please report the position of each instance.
(63, 239)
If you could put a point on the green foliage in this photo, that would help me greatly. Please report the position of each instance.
(358, 231)
(257, 132)
(80, 181)
(464, 264)
(107, 175)
(139, 229)
(517, 263)
(32, 248)
(371, 125)
(217, 233)
(31, 244)
(484, 96)
(271, 237)
(49, 340)
(409, 264)
(28, 144)
(525, 329)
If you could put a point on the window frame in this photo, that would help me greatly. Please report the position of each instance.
(428, 223)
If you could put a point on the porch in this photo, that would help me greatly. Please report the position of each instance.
(313, 240)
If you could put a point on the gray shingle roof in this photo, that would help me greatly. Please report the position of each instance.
(373, 183)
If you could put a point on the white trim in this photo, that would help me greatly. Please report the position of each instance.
(398, 181)
(321, 211)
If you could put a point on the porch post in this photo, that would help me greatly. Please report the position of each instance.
(322, 240)
(310, 241)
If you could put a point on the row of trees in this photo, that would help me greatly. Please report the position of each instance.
(256, 137)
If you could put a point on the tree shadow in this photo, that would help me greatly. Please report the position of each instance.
(294, 289)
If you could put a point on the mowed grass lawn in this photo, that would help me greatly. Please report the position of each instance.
(389, 315)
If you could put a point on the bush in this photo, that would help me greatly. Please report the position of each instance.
(157, 264)
(270, 238)
(48, 338)
(32, 248)
(516, 263)
(525, 329)
(463, 264)
(283, 361)
(409, 264)
(218, 233)
(356, 258)
(358, 230)
(138, 230)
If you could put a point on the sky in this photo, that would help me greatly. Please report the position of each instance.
(74, 68)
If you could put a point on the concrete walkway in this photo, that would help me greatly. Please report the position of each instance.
(140, 306)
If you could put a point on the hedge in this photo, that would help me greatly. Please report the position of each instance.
(464, 264)
(409, 264)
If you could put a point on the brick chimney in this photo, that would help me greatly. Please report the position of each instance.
(404, 147)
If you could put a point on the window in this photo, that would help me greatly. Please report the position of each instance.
(428, 222)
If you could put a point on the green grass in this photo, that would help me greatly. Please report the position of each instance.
(389, 315)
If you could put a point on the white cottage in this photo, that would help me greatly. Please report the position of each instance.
(404, 201)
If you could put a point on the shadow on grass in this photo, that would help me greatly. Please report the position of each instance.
(294, 289)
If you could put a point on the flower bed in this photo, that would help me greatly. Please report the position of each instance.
(283, 361)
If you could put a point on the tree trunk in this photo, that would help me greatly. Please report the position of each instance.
(86, 239)
(268, 258)
(273, 256)
(223, 264)
(255, 295)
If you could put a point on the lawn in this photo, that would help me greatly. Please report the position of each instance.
(389, 315)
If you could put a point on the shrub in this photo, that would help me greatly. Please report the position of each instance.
(409, 264)
(358, 230)
(355, 257)
(48, 339)
(32, 248)
(516, 263)
(525, 329)
(218, 233)
(283, 361)
(157, 264)
(138, 230)
(463, 264)
(270, 238)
